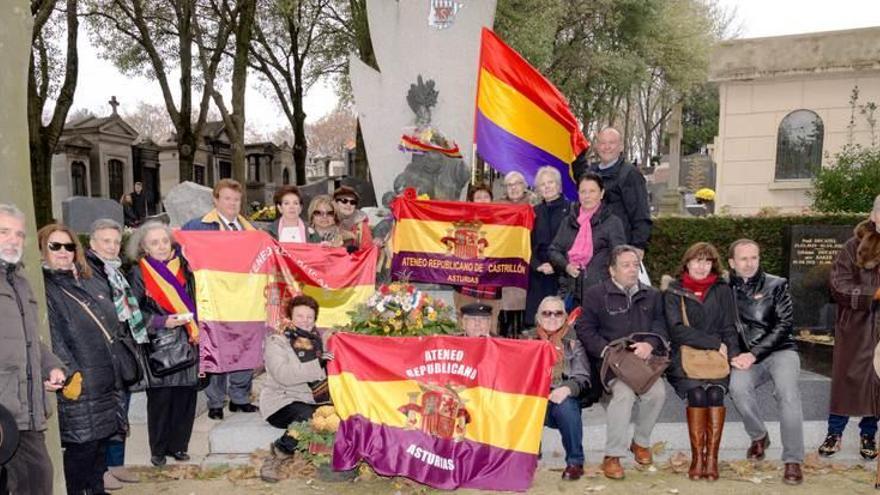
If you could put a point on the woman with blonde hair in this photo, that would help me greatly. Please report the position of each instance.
(324, 223)
(571, 376)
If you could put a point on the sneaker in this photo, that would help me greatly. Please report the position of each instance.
(110, 481)
(868, 447)
(830, 446)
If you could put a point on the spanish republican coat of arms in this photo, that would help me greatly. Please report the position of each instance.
(438, 411)
(442, 13)
(465, 240)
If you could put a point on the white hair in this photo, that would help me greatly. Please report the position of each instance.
(544, 302)
(135, 249)
(104, 224)
(11, 211)
(514, 176)
(552, 172)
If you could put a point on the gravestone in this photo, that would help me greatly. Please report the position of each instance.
(809, 251)
(364, 190)
(79, 212)
(186, 201)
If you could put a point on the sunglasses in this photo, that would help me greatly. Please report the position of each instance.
(56, 246)
(322, 213)
(556, 314)
(347, 201)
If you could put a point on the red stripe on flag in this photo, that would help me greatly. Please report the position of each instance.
(406, 206)
(511, 68)
(495, 362)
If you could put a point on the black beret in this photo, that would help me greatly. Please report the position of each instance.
(476, 309)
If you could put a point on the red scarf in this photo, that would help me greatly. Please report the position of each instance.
(698, 287)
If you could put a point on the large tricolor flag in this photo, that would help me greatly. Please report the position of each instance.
(522, 121)
(449, 412)
(243, 279)
(456, 243)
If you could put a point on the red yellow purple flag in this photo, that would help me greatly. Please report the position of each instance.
(244, 278)
(522, 122)
(441, 410)
(456, 243)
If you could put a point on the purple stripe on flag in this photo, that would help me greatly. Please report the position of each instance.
(439, 462)
(507, 153)
(231, 346)
(437, 268)
(171, 280)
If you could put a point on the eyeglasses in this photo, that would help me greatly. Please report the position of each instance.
(323, 213)
(56, 246)
(515, 184)
(347, 201)
(555, 314)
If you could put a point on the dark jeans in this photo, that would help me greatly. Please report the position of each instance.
(116, 445)
(566, 417)
(170, 415)
(282, 418)
(837, 423)
(84, 466)
(30, 468)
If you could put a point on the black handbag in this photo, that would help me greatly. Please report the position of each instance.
(122, 350)
(639, 374)
(169, 351)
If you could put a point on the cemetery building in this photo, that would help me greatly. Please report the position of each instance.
(785, 110)
(103, 158)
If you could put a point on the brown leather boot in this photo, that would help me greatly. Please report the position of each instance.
(697, 417)
(713, 441)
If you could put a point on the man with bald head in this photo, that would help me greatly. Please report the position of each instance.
(626, 193)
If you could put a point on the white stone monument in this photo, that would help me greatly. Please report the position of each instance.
(437, 39)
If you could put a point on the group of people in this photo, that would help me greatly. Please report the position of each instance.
(723, 331)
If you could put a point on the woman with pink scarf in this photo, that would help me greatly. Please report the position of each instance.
(584, 241)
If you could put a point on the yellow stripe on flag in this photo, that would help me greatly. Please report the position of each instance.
(504, 241)
(516, 114)
(228, 296)
(504, 420)
(336, 303)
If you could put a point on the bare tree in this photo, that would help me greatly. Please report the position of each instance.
(151, 121)
(154, 37)
(288, 38)
(52, 20)
(333, 133)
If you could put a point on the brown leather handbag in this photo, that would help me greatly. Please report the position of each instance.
(702, 364)
(637, 373)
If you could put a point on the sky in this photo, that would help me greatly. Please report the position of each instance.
(99, 79)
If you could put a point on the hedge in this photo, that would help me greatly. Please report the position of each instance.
(671, 236)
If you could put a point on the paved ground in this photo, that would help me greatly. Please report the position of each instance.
(737, 478)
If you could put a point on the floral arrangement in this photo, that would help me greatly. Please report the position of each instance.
(265, 214)
(400, 309)
(315, 437)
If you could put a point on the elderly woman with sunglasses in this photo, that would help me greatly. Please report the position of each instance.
(351, 219)
(90, 406)
(571, 376)
(324, 223)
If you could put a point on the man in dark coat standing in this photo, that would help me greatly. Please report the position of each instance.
(139, 202)
(30, 369)
(626, 192)
(855, 286)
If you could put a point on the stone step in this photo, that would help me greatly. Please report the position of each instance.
(815, 394)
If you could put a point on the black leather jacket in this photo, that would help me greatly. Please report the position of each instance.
(764, 305)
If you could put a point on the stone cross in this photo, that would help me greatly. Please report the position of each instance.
(113, 103)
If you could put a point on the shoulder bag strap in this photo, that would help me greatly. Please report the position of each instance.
(684, 314)
(91, 314)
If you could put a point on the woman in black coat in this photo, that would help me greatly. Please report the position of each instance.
(90, 410)
(582, 247)
(171, 398)
(543, 278)
(700, 313)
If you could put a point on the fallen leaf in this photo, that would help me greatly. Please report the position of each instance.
(658, 448)
(673, 491)
(597, 488)
(679, 462)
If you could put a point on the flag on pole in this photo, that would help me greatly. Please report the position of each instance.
(522, 122)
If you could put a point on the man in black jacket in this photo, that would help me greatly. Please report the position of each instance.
(626, 192)
(30, 369)
(765, 331)
(617, 308)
